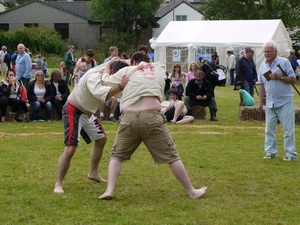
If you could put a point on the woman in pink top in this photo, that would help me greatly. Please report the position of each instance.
(177, 78)
(190, 74)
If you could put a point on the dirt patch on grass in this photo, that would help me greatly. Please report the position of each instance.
(200, 131)
(30, 134)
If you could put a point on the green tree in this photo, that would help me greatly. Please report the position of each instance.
(127, 18)
(286, 10)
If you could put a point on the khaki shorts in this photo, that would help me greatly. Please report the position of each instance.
(148, 127)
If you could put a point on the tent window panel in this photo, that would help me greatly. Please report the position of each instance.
(181, 17)
(204, 52)
(182, 59)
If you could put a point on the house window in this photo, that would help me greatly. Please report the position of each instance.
(31, 25)
(4, 27)
(62, 29)
(181, 18)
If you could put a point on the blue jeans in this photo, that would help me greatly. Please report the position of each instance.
(286, 116)
(36, 108)
(249, 87)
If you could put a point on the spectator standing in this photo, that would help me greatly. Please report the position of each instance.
(83, 68)
(70, 61)
(7, 60)
(208, 68)
(144, 48)
(231, 66)
(279, 101)
(2, 62)
(88, 59)
(246, 71)
(40, 96)
(113, 51)
(167, 86)
(293, 60)
(200, 63)
(38, 61)
(190, 74)
(215, 58)
(60, 91)
(63, 70)
(23, 66)
(45, 67)
(13, 58)
(177, 78)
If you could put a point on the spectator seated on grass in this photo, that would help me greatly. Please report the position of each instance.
(175, 110)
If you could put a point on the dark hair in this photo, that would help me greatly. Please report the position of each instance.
(240, 83)
(248, 49)
(173, 91)
(139, 57)
(117, 65)
(143, 48)
(90, 52)
(55, 72)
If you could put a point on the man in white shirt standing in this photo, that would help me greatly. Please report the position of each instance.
(230, 66)
(276, 77)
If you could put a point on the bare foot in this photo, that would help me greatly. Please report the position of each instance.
(96, 178)
(198, 193)
(106, 196)
(58, 189)
(173, 121)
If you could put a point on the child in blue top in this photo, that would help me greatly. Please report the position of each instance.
(245, 98)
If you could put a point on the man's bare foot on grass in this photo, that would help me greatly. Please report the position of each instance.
(96, 178)
(58, 189)
(198, 193)
(106, 196)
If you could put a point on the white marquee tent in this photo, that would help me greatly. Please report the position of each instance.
(224, 35)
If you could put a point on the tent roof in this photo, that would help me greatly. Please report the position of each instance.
(223, 33)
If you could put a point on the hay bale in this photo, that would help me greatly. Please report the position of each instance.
(198, 112)
(41, 114)
(251, 113)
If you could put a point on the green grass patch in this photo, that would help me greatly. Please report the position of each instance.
(226, 156)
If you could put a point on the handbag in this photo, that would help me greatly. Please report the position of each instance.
(213, 72)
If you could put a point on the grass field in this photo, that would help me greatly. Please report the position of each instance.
(225, 156)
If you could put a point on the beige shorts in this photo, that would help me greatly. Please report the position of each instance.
(148, 127)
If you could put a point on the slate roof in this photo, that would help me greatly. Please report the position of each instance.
(168, 7)
(76, 8)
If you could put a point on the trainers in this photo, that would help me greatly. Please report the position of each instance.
(269, 156)
(101, 118)
(113, 119)
(289, 158)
